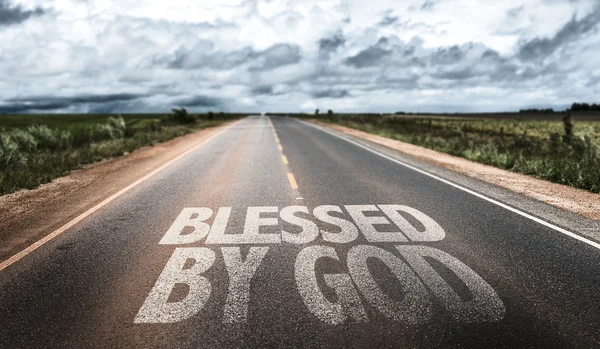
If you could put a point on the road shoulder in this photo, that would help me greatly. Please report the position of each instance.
(573, 209)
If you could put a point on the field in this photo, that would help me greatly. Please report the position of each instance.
(35, 149)
(566, 152)
(71, 122)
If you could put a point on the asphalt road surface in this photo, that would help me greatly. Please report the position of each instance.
(277, 234)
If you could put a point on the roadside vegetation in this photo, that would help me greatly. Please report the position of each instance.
(32, 153)
(565, 152)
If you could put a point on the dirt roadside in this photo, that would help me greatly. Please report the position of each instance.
(572, 199)
(28, 215)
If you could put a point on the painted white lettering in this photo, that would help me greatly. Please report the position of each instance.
(240, 274)
(365, 224)
(433, 231)
(484, 304)
(348, 304)
(217, 235)
(348, 232)
(192, 217)
(254, 221)
(309, 232)
(415, 308)
(157, 309)
(251, 228)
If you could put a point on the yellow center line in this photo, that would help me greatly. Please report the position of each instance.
(292, 181)
(291, 177)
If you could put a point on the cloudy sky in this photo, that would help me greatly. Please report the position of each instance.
(232, 55)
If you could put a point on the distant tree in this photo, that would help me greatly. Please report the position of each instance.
(211, 115)
(330, 112)
(181, 116)
(317, 112)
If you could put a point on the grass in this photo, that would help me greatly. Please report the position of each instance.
(538, 148)
(35, 149)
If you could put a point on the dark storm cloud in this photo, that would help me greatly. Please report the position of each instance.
(370, 56)
(119, 107)
(198, 101)
(262, 90)
(573, 30)
(48, 103)
(273, 57)
(458, 74)
(277, 56)
(331, 93)
(17, 107)
(199, 58)
(13, 14)
(515, 11)
(407, 81)
(448, 55)
(593, 81)
(489, 53)
(327, 46)
(428, 5)
(461, 63)
(388, 20)
(233, 59)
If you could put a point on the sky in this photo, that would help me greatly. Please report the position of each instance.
(111, 56)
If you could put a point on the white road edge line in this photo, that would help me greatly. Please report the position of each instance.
(77, 219)
(481, 196)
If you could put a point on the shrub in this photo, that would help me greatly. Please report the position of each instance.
(64, 139)
(166, 119)
(44, 136)
(102, 132)
(118, 126)
(568, 126)
(154, 126)
(24, 140)
(115, 128)
(83, 136)
(181, 116)
(10, 155)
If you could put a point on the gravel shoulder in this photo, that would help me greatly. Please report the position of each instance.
(568, 198)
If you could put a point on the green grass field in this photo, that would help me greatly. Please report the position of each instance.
(544, 149)
(71, 121)
(35, 149)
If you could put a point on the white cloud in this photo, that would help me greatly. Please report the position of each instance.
(289, 55)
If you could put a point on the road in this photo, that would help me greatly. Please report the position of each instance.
(277, 234)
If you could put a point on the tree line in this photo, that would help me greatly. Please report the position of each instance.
(585, 107)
